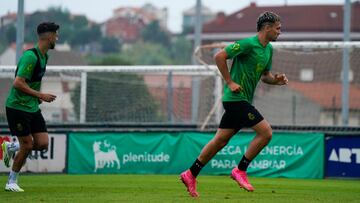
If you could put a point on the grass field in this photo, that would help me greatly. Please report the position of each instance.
(167, 188)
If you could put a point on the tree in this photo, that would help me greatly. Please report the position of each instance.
(181, 51)
(86, 35)
(110, 45)
(148, 54)
(80, 22)
(117, 97)
(11, 34)
(54, 14)
(153, 33)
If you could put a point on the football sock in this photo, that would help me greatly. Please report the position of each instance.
(196, 168)
(244, 163)
(13, 177)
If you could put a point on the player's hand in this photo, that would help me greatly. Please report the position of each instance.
(234, 87)
(47, 97)
(281, 79)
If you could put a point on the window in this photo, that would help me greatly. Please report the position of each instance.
(307, 74)
(333, 15)
(351, 75)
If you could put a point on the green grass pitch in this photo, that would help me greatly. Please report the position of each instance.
(168, 188)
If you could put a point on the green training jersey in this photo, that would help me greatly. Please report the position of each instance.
(250, 61)
(25, 69)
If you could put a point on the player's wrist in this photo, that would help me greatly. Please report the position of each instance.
(228, 81)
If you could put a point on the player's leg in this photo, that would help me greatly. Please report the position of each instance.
(41, 141)
(26, 144)
(39, 132)
(188, 177)
(219, 141)
(16, 121)
(227, 129)
(263, 136)
(19, 124)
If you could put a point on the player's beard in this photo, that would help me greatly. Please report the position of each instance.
(275, 38)
(52, 45)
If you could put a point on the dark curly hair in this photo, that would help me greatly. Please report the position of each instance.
(47, 27)
(267, 18)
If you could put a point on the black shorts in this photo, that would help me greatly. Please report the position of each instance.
(22, 123)
(239, 114)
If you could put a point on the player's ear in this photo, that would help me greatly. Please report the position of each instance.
(268, 27)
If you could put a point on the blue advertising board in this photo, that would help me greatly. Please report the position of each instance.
(342, 156)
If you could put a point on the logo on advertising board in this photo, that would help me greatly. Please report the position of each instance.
(106, 156)
(344, 155)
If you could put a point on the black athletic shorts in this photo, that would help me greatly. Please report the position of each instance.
(239, 114)
(22, 123)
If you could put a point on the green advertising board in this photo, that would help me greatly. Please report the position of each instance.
(295, 155)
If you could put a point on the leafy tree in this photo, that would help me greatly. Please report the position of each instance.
(153, 33)
(73, 29)
(181, 51)
(86, 35)
(80, 22)
(117, 97)
(113, 59)
(11, 34)
(148, 54)
(54, 14)
(2, 46)
(110, 45)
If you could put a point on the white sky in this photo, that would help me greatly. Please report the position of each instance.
(99, 11)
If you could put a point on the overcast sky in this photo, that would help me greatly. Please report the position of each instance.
(99, 11)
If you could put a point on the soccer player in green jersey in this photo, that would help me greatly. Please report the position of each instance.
(252, 59)
(22, 105)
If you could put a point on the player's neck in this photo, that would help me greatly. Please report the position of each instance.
(43, 47)
(264, 41)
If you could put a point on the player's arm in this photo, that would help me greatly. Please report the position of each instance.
(25, 71)
(220, 59)
(20, 84)
(277, 79)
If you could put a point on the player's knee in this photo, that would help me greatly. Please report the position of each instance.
(268, 134)
(42, 146)
(26, 146)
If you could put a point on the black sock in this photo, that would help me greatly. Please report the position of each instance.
(244, 163)
(196, 168)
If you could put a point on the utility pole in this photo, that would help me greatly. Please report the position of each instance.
(195, 79)
(19, 30)
(345, 64)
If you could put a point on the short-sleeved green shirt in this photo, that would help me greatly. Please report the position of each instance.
(18, 99)
(250, 61)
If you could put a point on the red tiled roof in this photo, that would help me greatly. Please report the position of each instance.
(326, 94)
(299, 18)
(9, 16)
(123, 28)
(26, 46)
(139, 11)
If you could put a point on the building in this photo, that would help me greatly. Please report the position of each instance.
(127, 22)
(189, 17)
(9, 18)
(299, 23)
